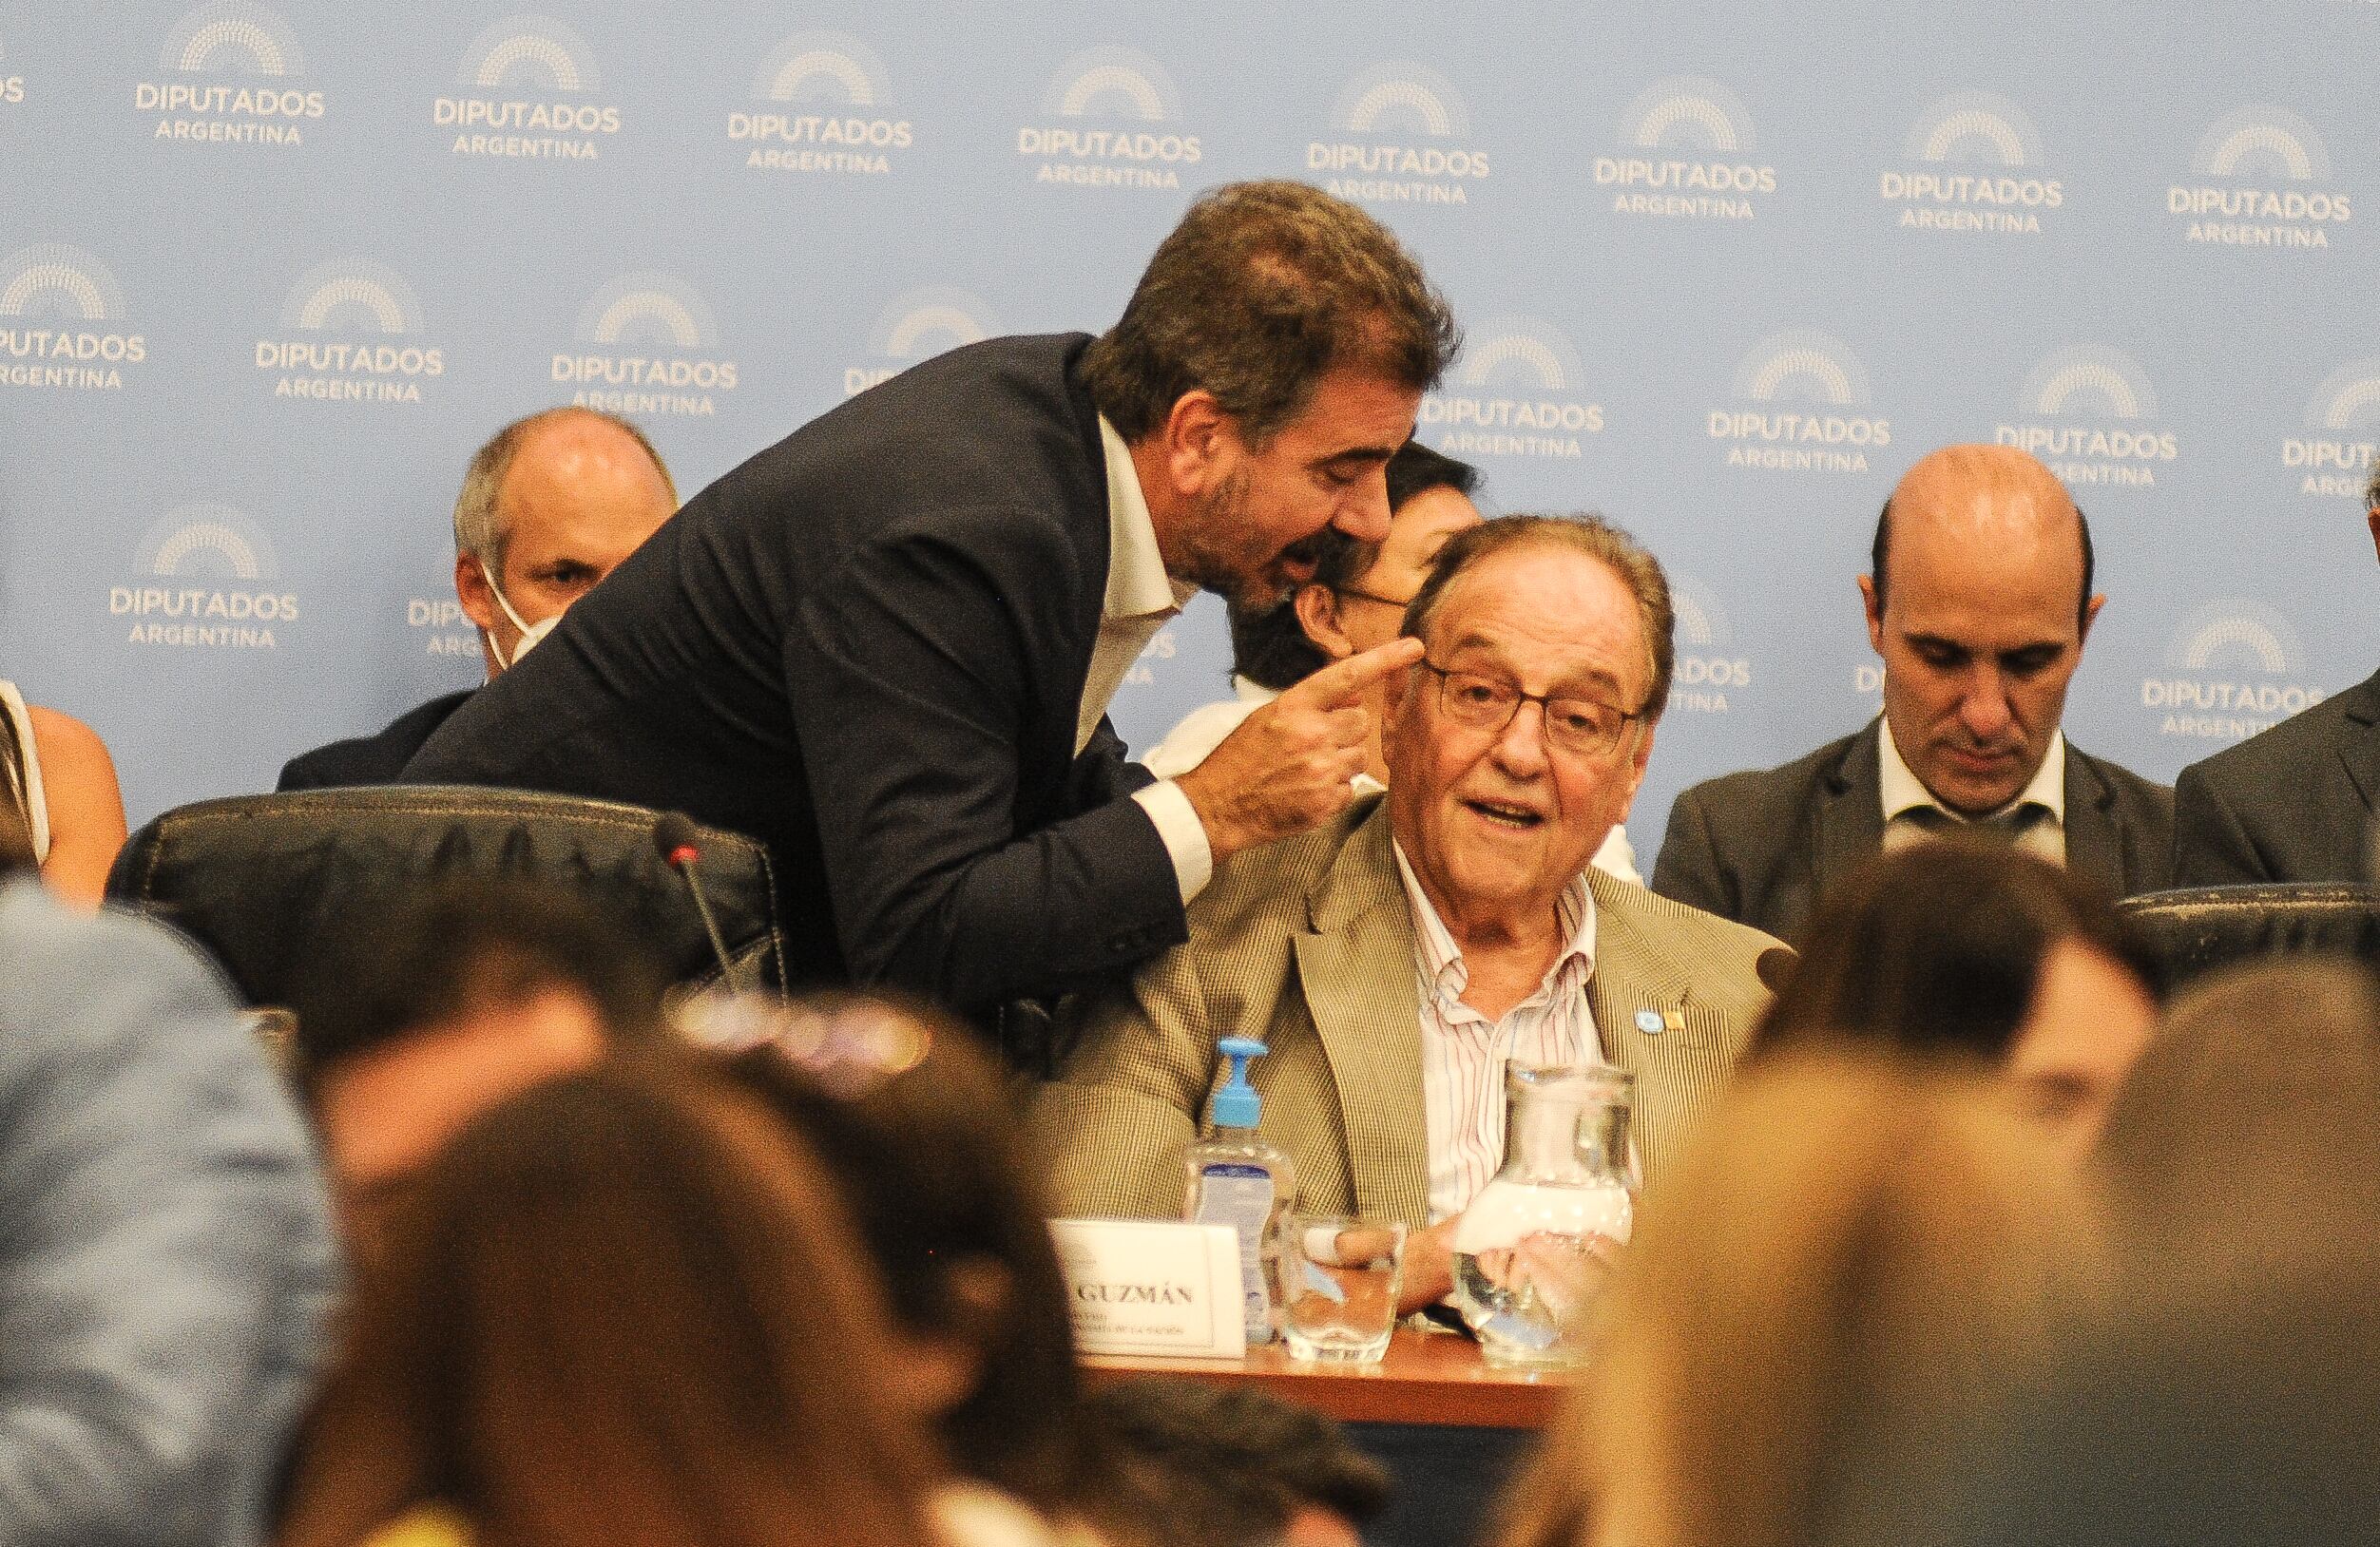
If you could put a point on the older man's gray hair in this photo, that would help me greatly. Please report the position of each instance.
(477, 530)
(1584, 533)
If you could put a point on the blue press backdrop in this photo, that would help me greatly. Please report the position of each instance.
(269, 272)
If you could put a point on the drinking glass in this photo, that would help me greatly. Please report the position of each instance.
(1338, 1303)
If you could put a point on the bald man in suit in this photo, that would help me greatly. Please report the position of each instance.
(1393, 959)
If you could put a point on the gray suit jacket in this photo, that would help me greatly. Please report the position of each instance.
(1309, 944)
(2292, 803)
(1763, 848)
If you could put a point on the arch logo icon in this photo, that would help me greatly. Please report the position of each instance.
(1400, 133)
(2232, 668)
(2263, 179)
(1972, 163)
(204, 576)
(916, 325)
(1518, 390)
(646, 343)
(350, 330)
(821, 104)
(528, 88)
(230, 73)
(1802, 404)
(1685, 149)
(2332, 457)
(2089, 413)
(63, 324)
(1110, 117)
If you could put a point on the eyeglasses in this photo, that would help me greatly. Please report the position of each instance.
(850, 1047)
(1582, 727)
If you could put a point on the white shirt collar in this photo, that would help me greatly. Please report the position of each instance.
(1138, 585)
(1902, 790)
(1441, 960)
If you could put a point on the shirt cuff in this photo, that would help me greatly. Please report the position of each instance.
(1182, 832)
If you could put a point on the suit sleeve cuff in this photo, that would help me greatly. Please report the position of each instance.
(1182, 833)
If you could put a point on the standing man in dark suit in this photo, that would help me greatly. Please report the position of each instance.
(886, 646)
(550, 505)
(1981, 626)
(2293, 802)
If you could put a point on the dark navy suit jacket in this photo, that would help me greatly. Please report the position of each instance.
(371, 759)
(866, 648)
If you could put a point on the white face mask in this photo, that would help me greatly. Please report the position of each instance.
(530, 633)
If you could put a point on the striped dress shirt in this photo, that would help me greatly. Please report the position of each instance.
(1463, 1052)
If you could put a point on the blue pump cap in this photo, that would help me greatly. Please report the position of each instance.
(1238, 1105)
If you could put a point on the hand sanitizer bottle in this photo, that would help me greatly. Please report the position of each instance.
(1238, 1179)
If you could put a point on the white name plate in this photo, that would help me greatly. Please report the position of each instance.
(1147, 1287)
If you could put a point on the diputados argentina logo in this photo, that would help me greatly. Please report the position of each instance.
(2090, 414)
(917, 325)
(1112, 119)
(2264, 181)
(1812, 416)
(1688, 155)
(1400, 134)
(527, 87)
(1709, 666)
(203, 579)
(823, 108)
(645, 344)
(1972, 163)
(2232, 668)
(1518, 391)
(62, 322)
(265, 101)
(2333, 458)
(350, 330)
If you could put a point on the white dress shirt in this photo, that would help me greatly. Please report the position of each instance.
(1140, 598)
(1903, 793)
(1463, 1055)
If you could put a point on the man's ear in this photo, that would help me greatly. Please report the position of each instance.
(1876, 612)
(471, 588)
(1198, 437)
(2090, 616)
(1317, 614)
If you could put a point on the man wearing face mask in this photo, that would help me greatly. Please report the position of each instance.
(548, 506)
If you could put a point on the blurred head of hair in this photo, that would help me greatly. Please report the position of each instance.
(911, 1119)
(1967, 948)
(2251, 1127)
(1853, 1250)
(625, 1306)
(1221, 1465)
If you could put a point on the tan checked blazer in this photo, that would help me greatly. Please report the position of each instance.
(1308, 944)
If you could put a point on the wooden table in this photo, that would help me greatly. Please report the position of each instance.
(1427, 1378)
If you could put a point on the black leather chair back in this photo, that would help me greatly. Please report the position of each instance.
(259, 880)
(2199, 928)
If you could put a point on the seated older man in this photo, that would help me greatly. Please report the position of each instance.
(1394, 960)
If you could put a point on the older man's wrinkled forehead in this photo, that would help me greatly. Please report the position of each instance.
(1546, 604)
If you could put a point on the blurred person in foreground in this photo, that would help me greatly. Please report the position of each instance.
(61, 789)
(1394, 961)
(1852, 1257)
(457, 997)
(548, 506)
(1978, 602)
(1224, 1465)
(2231, 1393)
(910, 1118)
(622, 1306)
(1356, 602)
(166, 1259)
(1964, 948)
(2259, 1100)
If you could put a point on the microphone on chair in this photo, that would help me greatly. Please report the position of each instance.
(680, 843)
